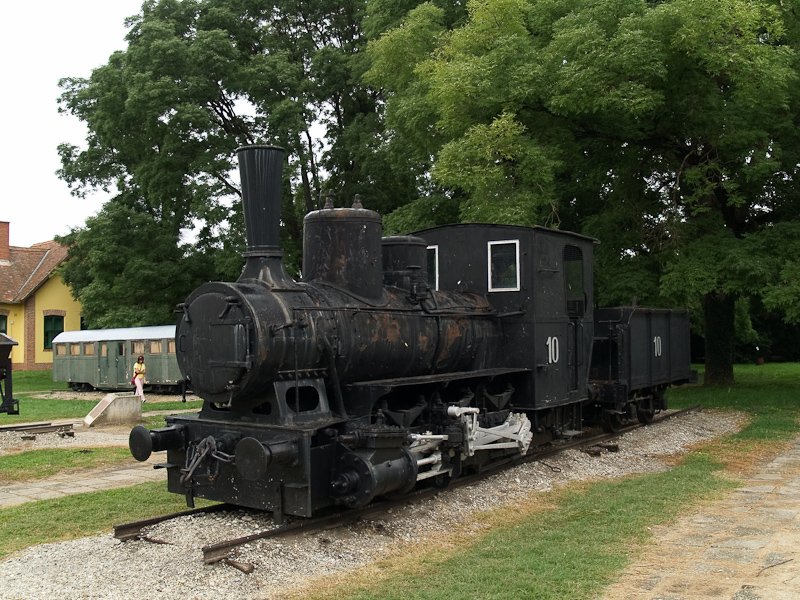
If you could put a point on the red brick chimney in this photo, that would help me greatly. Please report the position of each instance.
(5, 253)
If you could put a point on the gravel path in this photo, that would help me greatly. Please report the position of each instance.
(102, 567)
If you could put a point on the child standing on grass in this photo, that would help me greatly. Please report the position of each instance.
(138, 377)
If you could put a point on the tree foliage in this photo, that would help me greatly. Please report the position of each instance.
(128, 267)
(199, 78)
(666, 129)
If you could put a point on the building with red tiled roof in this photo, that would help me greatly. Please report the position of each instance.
(35, 304)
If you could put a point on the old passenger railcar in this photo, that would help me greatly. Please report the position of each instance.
(103, 359)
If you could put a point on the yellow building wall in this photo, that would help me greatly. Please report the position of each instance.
(16, 329)
(54, 295)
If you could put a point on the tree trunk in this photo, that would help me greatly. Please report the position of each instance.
(719, 316)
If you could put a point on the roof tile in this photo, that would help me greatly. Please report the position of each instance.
(28, 269)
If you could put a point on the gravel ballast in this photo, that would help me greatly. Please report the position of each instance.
(102, 567)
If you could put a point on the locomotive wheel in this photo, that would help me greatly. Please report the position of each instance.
(645, 411)
(611, 422)
(441, 481)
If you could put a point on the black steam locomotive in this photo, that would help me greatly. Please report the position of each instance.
(396, 360)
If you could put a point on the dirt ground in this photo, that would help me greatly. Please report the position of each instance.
(745, 546)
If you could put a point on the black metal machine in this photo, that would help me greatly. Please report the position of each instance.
(638, 353)
(8, 404)
(393, 361)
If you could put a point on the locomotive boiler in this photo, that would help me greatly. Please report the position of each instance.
(393, 361)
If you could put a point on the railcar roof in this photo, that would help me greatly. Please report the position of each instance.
(421, 232)
(157, 332)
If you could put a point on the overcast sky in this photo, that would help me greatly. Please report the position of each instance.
(41, 42)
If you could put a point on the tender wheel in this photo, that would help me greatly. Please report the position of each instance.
(645, 411)
(611, 422)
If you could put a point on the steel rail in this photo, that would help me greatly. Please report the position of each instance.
(37, 427)
(133, 530)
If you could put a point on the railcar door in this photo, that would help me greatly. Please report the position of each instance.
(113, 364)
(104, 361)
(122, 364)
(564, 328)
(575, 298)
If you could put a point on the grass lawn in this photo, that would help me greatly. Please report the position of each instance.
(46, 409)
(27, 384)
(38, 464)
(35, 381)
(83, 514)
(572, 550)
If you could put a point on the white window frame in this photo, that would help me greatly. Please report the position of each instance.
(489, 265)
(435, 249)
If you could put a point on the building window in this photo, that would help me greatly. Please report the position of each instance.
(3, 323)
(53, 325)
(503, 266)
(433, 267)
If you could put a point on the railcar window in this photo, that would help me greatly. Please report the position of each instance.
(574, 291)
(103, 350)
(433, 267)
(155, 347)
(171, 347)
(121, 349)
(53, 325)
(138, 348)
(75, 349)
(503, 266)
(88, 349)
(61, 349)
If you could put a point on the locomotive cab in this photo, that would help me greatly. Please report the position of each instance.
(540, 283)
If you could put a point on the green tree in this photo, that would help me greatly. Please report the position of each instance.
(666, 129)
(199, 78)
(127, 266)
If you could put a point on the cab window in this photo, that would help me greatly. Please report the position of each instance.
(503, 262)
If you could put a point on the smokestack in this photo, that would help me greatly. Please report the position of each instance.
(5, 251)
(260, 168)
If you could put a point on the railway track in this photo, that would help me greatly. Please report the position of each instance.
(34, 428)
(223, 551)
